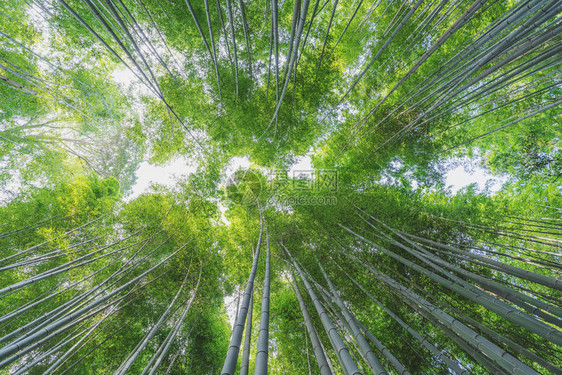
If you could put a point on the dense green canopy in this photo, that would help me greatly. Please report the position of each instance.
(366, 262)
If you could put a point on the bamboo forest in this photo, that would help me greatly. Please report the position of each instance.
(281, 187)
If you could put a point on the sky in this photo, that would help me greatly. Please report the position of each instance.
(167, 175)
(455, 179)
(458, 178)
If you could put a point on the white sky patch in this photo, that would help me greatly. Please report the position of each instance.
(123, 76)
(238, 162)
(222, 209)
(41, 46)
(128, 81)
(460, 177)
(303, 164)
(231, 302)
(167, 175)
